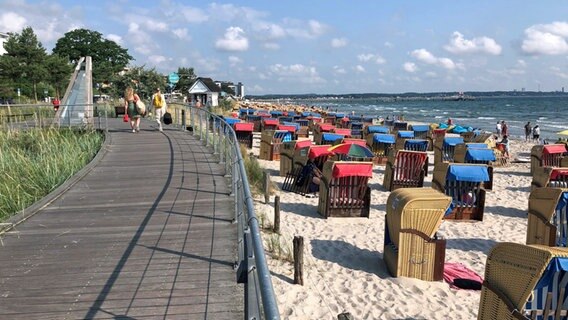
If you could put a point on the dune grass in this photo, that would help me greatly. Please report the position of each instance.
(33, 162)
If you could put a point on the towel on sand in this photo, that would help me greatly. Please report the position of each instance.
(460, 277)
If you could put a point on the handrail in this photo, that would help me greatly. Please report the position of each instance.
(252, 268)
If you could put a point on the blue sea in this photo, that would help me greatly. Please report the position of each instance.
(550, 113)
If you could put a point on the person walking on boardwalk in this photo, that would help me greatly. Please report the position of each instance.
(528, 131)
(160, 107)
(130, 100)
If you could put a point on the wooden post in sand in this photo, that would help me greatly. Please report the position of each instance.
(266, 186)
(277, 214)
(299, 260)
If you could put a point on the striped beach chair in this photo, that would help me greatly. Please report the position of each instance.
(382, 146)
(464, 184)
(344, 190)
(548, 215)
(405, 169)
(412, 247)
(269, 124)
(444, 149)
(298, 179)
(244, 132)
(549, 155)
(525, 282)
(549, 177)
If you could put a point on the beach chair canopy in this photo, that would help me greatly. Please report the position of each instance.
(340, 115)
(452, 141)
(377, 129)
(303, 122)
(384, 138)
(302, 144)
(352, 150)
(420, 128)
(292, 114)
(474, 154)
(460, 129)
(477, 145)
(270, 121)
(253, 117)
(306, 114)
(326, 127)
(284, 135)
(341, 170)
(330, 137)
(243, 112)
(405, 134)
(287, 128)
(232, 121)
(276, 113)
(554, 148)
(355, 118)
(557, 173)
(360, 142)
(315, 115)
(345, 132)
(356, 125)
(292, 124)
(319, 151)
(243, 126)
(416, 144)
(467, 173)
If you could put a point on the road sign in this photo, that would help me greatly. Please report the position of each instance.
(173, 78)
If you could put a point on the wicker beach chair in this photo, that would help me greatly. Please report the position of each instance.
(549, 155)
(256, 120)
(304, 130)
(331, 138)
(548, 215)
(420, 130)
(411, 247)
(399, 126)
(371, 130)
(270, 142)
(356, 129)
(401, 137)
(287, 152)
(444, 149)
(549, 177)
(298, 180)
(244, 132)
(269, 124)
(344, 190)
(382, 146)
(320, 129)
(525, 282)
(405, 169)
(464, 184)
(477, 153)
(434, 135)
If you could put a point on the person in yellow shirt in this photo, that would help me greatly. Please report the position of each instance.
(159, 105)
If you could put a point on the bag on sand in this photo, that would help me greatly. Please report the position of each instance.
(167, 118)
(140, 107)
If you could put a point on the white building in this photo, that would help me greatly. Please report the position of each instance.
(238, 89)
(3, 38)
(205, 91)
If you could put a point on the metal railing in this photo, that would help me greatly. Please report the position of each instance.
(252, 270)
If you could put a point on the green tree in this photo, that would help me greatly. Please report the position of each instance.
(59, 71)
(186, 79)
(142, 80)
(108, 57)
(24, 62)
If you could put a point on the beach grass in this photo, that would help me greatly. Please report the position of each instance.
(35, 161)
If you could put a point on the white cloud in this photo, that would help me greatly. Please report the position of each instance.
(296, 72)
(388, 44)
(194, 15)
(156, 59)
(425, 56)
(458, 44)
(234, 60)
(546, 39)
(271, 46)
(559, 72)
(233, 40)
(366, 57)
(410, 67)
(338, 42)
(181, 33)
(115, 38)
(300, 29)
(12, 22)
(359, 68)
(155, 25)
(339, 70)
(317, 28)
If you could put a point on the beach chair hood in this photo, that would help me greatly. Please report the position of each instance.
(405, 134)
(330, 137)
(377, 129)
(243, 126)
(416, 144)
(467, 173)
(474, 154)
(554, 148)
(341, 170)
(384, 138)
(420, 128)
(318, 151)
(452, 141)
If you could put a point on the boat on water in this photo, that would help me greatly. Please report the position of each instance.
(459, 97)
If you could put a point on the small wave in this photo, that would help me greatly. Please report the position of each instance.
(438, 117)
(486, 118)
(422, 110)
(542, 118)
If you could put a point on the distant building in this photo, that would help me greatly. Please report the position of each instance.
(3, 38)
(238, 89)
(206, 91)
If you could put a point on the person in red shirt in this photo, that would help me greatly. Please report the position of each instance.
(56, 104)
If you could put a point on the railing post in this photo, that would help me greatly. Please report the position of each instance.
(208, 118)
(200, 123)
(183, 126)
(192, 118)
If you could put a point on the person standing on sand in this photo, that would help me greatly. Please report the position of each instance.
(536, 134)
(498, 129)
(504, 128)
(528, 131)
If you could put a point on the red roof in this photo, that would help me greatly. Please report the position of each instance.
(318, 151)
(271, 122)
(243, 126)
(287, 128)
(554, 148)
(556, 172)
(302, 144)
(326, 127)
(345, 132)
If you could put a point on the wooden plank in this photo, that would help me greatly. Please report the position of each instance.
(147, 234)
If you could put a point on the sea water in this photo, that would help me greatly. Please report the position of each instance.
(550, 113)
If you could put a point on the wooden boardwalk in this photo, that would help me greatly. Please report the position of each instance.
(146, 234)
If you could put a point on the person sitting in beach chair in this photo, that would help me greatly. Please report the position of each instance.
(548, 216)
(464, 184)
(317, 155)
(344, 190)
(405, 169)
(525, 282)
(476, 153)
(411, 247)
(549, 155)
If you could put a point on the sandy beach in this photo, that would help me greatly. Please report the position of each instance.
(344, 269)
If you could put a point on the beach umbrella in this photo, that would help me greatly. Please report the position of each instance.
(563, 132)
(352, 150)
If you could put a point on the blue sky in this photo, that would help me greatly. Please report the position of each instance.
(329, 46)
